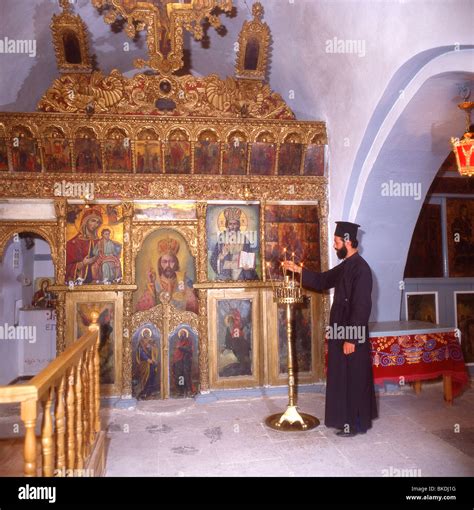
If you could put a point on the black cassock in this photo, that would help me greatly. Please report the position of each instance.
(350, 393)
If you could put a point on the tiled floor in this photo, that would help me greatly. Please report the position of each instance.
(415, 435)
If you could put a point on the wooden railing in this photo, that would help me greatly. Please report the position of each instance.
(68, 389)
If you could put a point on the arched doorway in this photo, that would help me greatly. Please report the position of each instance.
(27, 307)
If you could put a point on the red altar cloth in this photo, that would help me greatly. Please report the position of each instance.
(419, 357)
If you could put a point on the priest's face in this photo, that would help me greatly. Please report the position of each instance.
(234, 225)
(168, 265)
(340, 247)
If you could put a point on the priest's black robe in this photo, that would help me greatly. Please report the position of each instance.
(350, 393)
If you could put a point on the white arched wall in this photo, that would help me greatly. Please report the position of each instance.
(411, 142)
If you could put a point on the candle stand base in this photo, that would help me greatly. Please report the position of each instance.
(292, 421)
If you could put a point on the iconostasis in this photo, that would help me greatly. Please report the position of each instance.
(167, 201)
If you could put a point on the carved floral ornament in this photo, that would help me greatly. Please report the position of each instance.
(210, 96)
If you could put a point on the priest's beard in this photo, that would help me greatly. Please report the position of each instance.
(341, 253)
(169, 273)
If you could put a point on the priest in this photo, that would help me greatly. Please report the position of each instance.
(350, 394)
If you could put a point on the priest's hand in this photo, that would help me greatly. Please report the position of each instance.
(348, 348)
(289, 265)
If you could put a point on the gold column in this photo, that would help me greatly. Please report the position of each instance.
(202, 298)
(60, 322)
(127, 301)
(127, 238)
(127, 345)
(60, 205)
(203, 342)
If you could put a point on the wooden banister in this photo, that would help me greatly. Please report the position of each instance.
(70, 385)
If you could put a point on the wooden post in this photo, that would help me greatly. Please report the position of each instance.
(47, 436)
(79, 442)
(85, 415)
(91, 397)
(97, 386)
(71, 454)
(29, 415)
(60, 426)
(417, 387)
(448, 389)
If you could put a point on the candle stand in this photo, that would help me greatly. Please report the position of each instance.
(289, 293)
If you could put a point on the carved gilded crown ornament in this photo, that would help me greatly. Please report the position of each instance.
(162, 93)
(165, 22)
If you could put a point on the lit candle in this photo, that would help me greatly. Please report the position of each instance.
(301, 276)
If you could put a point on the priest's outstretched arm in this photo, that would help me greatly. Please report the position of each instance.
(321, 281)
(313, 280)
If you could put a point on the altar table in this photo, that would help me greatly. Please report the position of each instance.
(415, 351)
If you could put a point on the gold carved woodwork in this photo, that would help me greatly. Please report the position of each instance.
(254, 45)
(203, 341)
(165, 26)
(166, 318)
(208, 96)
(201, 274)
(200, 188)
(60, 322)
(60, 205)
(127, 208)
(127, 344)
(70, 41)
(73, 127)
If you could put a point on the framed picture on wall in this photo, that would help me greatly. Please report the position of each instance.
(422, 306)
(294, 227)
(234, 338)
(183, 362)
(94, 244)
(459, 214)
(147, 355)
(233, 242)
(464, 315)
(109, 306)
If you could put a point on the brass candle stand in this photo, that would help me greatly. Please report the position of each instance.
(290, 293)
